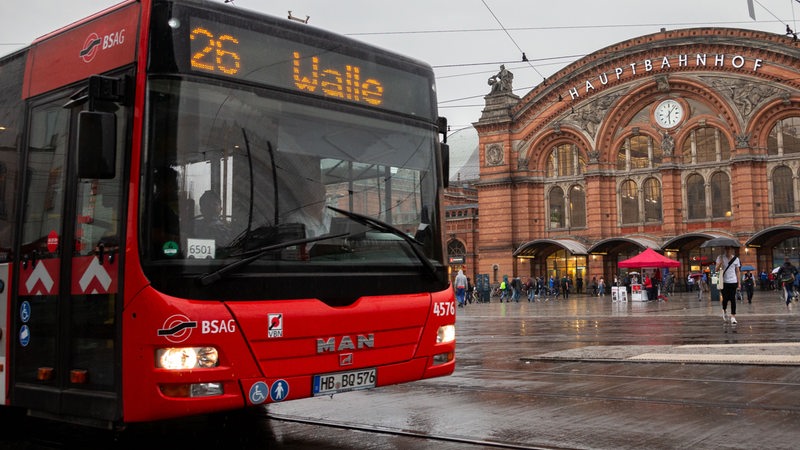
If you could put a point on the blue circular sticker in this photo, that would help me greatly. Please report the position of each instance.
(258, 393)
(24, 336)
(279, 391)
(25, 311)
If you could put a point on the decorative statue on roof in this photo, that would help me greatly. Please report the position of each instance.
(501, 82)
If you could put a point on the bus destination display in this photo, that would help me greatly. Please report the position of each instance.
(230, 51)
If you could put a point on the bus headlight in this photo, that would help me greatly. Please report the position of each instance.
(182, 358)
(446, 333)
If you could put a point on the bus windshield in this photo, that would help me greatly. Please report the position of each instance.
(232, 172)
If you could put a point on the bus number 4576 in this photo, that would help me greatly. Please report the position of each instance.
(444, 308)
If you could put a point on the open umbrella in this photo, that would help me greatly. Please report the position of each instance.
(746, 268)
(720, 242)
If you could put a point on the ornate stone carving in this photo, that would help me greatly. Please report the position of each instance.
(588, 119)
(743, 140)
(594, 156)
(590, 116)
(522, 163)
(667, 144)
(662, 83)
(494, 154)
(502, 81)
(745, 94)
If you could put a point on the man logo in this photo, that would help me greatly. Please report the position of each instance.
(334, 344)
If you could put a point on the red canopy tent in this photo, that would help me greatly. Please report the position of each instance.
(648, 258)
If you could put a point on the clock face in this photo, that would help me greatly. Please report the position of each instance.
(668, 113)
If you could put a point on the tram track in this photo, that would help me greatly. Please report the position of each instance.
(383, 430)
(567, 385)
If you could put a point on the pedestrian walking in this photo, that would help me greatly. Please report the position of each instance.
(786, 275)
(516, 284)
(461, 288)
(729, 264)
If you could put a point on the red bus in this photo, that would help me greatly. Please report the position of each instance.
(206, 209)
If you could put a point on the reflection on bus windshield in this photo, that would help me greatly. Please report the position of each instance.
(262, 171)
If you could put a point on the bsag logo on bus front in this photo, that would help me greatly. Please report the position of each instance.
(94, 43)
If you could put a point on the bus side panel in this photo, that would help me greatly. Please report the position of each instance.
(5, 316)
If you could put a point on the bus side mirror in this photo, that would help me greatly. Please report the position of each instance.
(97, 144)
(445, 165)
(441, 124)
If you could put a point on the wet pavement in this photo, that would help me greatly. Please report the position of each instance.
(582, 373)
(588, 373)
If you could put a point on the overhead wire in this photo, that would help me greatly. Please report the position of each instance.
(789, 31)
(524, 58)
(561, 27)
(444, 103)
(448, 103)
(443, 66)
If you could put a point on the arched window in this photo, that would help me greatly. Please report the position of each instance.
(784, 138)
(622, 156)
(695, 197)
(456, 248)
(629, 202)
(564, 161)
(638, 152)
(557, 219)
(704, 144)
(652, 200)
(720, 195)
(577, 207)
(782, 190)
(641, 146)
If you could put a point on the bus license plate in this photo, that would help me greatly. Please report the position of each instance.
(333, 383)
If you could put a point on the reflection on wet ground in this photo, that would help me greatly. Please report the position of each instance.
(591, 373)
(584, 373)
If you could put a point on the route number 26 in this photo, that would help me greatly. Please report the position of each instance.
(216, 55)
(444, 308)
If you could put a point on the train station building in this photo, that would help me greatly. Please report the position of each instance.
(662, 141)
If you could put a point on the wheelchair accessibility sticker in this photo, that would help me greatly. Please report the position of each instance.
(258, 393)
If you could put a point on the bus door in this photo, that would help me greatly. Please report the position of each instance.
(66, 348)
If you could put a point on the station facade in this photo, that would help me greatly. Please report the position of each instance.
(662, 141)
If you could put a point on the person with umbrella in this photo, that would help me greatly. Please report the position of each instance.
(786, 275)
(729, 264)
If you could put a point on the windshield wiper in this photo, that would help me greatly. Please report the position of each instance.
(257, 253)
(380, 225)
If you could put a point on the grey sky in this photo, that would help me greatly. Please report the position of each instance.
(456, 36)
